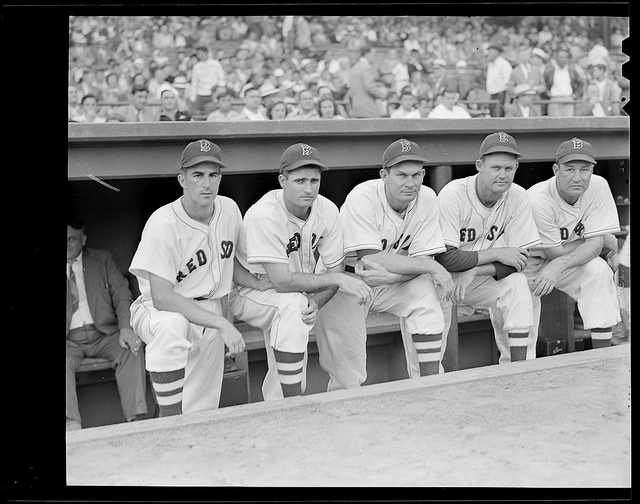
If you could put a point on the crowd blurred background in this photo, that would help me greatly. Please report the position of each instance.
(231, 68)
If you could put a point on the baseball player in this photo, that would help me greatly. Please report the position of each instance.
(185, 266)
(576, 216)
(284, 237)
(488, 227)
(391, 232)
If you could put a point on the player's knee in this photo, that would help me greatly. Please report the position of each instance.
(292, 304)
(169, 323)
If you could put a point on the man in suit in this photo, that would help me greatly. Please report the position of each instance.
(98, 301)
(137, 110)
(522, 105)
(365, 89)
(525, 72)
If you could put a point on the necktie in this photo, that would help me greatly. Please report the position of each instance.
(72, 292)
(140, 116)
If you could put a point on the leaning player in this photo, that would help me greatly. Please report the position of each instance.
(284, 236)
(576, 217)
(391, 232)
(185, 265)
(488, 227)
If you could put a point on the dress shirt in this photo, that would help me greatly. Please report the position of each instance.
(561, 82)
(498, 74)
(82, 315)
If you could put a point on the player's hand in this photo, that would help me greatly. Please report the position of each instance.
(374, 274)
(129, 340)
(233, 339)
(443, 278)
(310, 313)
(546, 279)
(461, 283)
(355, 286)
(264, 284)
(513, 256)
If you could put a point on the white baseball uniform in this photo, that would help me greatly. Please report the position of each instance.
(369, 222)
(197, 258)
(271, 234)
(470, 226)
(592, 284)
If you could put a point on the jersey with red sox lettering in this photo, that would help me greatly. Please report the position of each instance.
(559, 222)
(470, 226)
(369, 222)
(271, 234)
(196, 257)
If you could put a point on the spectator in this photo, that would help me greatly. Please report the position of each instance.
(442, 78)
(498, 75)
(591, 105)
(465, 79)
(475, 104)
(89, 111)
(277, 110)
(170, 110)
(406, 110)
(224, 112)
(112, 92)
(564, 85)
(399, 69)
(74, 105)
(418, 85)
(253, 109)
(448, 108)
(137, 110)
(98, 302)
(182, 86)
(608, 90)
(327, 92)
(525, 72)
(414, 63)
(306, 108)
(425, 105)
(522, 106)
(206, 75)
(115, 117)
(327, 108)
(364, 88)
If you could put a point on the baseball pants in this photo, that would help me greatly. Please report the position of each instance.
(591, 285)
(279, 315)
(174, 343)
(87, 341)
(341, 331)
(509, 295)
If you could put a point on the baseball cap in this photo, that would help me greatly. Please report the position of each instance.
(439, 62)
(402, 150)
(523, 89)
(499, 142)
(200, 151)
(180, 81)
(298, 155)
(575, 149)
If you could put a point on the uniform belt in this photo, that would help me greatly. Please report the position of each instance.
(349, 269)
(201, 298)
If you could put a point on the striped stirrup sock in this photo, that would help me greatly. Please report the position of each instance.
(601, 337)
(168, 386)
(518, 345)
(428, 348)
(289, 372)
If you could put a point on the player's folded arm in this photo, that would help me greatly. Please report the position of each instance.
(455, 260)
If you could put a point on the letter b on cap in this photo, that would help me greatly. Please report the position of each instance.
(306, 150)
(405, 146)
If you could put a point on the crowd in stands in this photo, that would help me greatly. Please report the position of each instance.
(174, 68)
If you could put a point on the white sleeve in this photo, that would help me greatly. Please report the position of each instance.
(266, 239)
(331, 247)
(603, 214)
(157, 251)
(359, 223)
(521, 231)
(428, 240)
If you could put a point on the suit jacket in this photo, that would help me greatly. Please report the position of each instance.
(149, 114)
(364, 90)
(577, 82)
(534, 78)
(108, 293)
(513, 110)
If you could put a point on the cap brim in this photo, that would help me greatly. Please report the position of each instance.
(406, 157)
(507, 150)
(203, 159)
(576, 157)
(304, 162)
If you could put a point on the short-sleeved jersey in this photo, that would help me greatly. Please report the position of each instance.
(369, 222)
(470, 226)
(271, 234)
(196, 257)
(559, 222)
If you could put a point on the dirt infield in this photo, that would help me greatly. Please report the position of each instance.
(561, 421)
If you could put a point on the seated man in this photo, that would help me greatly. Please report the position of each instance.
(284, 236)
(391, 234)
(98, 301)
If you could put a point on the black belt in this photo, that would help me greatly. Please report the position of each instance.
(349, 269)
(201, 298)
